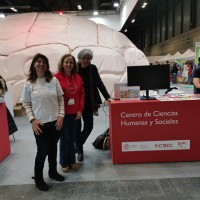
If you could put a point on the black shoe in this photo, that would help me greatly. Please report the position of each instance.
(56, 176)
(80, 157)
(41, 185)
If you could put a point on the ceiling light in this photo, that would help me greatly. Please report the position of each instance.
(2, 15)
(133, 20)
(13, 9)
(79, 7)
(125, 30)
(95, 13)
(144, 4)
(116, 4)
(60, 12)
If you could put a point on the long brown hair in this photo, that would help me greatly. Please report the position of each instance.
(3, 87)
(32, 77)
(60, 63)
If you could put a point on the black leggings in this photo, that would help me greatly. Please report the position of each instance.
(82, 136)
(46, 146)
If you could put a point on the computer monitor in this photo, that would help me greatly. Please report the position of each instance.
(149, 77)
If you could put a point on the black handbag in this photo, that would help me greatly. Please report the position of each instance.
(102, 141)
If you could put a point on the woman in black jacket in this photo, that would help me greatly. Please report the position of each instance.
(12, 128)
(174, 73)
(92, 85)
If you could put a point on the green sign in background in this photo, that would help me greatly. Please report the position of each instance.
(197, 52)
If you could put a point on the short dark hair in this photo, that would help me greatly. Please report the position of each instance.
(32, 77)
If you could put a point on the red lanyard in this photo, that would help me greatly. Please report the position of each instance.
(71, 86)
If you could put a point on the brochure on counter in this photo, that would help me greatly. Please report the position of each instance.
(179, 97)
(130, 93)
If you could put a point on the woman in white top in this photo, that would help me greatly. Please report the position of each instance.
(185, 73)
(42, 98)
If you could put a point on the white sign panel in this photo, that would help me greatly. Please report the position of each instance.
(156, 145)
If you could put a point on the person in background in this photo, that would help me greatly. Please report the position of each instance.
(199, 62)
(92, 84)
(72, 86)
(12, 127)
(197, 65)
(185, 73)
(196, 80)
(174, 73)
(190, 71)
(42, 97)
(3, 86)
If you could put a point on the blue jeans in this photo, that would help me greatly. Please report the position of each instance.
(67, 140)
(189, 79)
(174, 81)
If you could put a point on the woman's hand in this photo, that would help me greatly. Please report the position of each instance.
(59, 123)
(78, 115)
(110, 99)
(36, 126)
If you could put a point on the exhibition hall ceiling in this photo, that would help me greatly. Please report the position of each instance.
(104, 7)
(140, 15)
(66, 6)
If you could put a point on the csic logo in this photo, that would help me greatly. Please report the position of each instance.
(163, 146)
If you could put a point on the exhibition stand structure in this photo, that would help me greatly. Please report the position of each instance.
(143, 131)
(4, 135)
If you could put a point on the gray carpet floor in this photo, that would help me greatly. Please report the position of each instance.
(157, 189)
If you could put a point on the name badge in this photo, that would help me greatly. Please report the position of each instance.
(71, 102)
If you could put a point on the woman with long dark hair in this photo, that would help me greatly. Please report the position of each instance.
(42, 97)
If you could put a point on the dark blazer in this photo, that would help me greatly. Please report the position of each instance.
(174, 69)
(96, 85)
(12, 128)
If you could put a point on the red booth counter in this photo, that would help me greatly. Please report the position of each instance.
(4, 135)
(154, 131)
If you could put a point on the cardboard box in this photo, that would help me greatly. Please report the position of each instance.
(19, 110)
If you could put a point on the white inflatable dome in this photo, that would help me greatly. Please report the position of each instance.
(24, 35)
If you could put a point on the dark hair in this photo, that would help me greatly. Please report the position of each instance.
(60, 63)
(3, 87)
(32, 77)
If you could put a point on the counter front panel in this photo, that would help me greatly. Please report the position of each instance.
(154, 131)
(4, 135)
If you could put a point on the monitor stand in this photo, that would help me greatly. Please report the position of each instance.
(147, 97)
